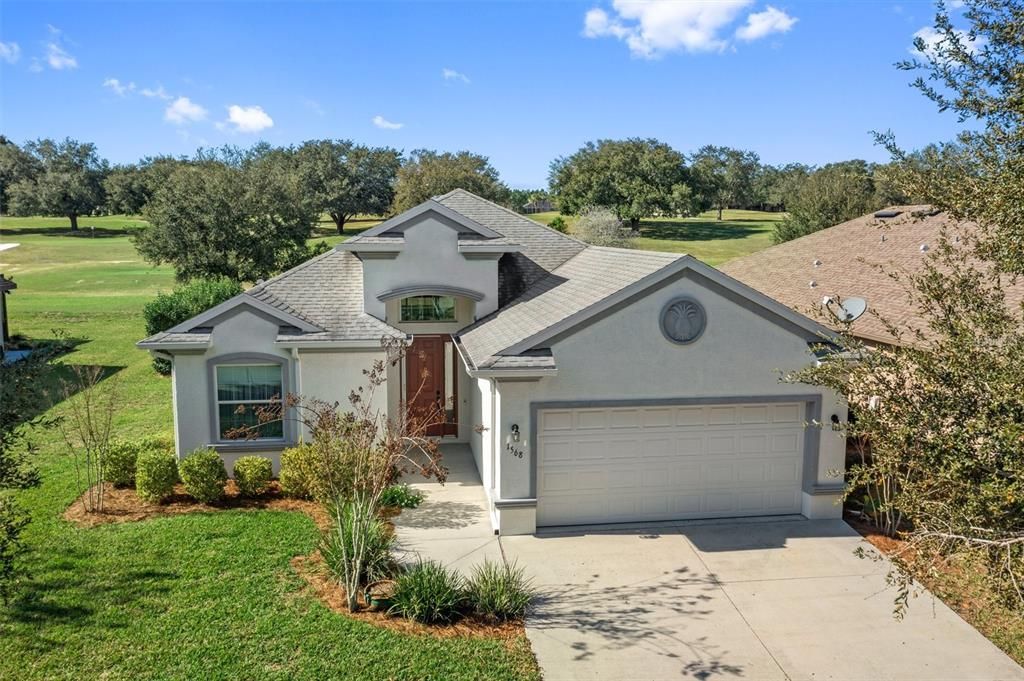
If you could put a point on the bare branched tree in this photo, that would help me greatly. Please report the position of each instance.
(87, 427)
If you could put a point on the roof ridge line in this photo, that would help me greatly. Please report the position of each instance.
(518, 215)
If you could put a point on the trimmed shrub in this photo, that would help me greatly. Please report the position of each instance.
(156, 473)
(298, 465)
(253, 474)
(401, 496)
(378, 539)
(559, 223)
(499, 591)
(120, 462)
(203, 474)
(185, 302)
(429, 593)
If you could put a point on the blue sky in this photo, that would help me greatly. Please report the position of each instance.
(520, 82)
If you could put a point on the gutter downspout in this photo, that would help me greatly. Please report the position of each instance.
(298, 382)
(494, 452)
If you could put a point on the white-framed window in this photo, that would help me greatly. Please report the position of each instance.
(241, 391)
(428, 309)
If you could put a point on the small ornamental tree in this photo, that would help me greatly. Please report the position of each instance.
(357, 454)
(943, 413)
(93, 399)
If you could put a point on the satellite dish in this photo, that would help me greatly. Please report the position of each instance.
(848, 309)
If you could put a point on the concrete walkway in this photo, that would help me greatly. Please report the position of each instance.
(776, 599)
(452, 526)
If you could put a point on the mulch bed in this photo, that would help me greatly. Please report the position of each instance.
(125, 506)
(331, 594)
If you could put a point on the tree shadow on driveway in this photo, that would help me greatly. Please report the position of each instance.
(645, 615)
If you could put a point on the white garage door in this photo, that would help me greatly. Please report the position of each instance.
(628, 464)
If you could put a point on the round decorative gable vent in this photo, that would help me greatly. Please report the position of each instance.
(683, 320)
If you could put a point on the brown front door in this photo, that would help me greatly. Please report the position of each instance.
(430, 383)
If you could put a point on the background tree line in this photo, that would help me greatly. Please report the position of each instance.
(246, 214)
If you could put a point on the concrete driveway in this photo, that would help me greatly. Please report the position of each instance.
(747, 600)
(780, 599)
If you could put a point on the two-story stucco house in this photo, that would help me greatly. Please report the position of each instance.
(594, 385)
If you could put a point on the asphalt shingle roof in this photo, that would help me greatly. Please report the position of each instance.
(588, 278)
(328, 292)
(543, 248)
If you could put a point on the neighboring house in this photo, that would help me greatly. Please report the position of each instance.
(854, 259)
(593, 384)
(538, 206)
(6, 286)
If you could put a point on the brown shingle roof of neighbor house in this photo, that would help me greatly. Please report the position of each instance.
(852, 260)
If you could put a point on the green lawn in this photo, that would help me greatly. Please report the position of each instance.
(199, 596)
(740, 232)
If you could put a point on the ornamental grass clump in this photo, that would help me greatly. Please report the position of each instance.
(499, 592)
(156, 473)
(252, 475)
(429, 593)
(204, 476)
(359, 535)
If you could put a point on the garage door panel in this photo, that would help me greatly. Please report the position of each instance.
(657, 448)
(753, 444)
(591, 419)
(787, 413)
(627, 464)
(625, 418)
(657, 418)
(691, 416)
(720, 444)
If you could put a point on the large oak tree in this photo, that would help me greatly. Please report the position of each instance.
(636, 178)
(68, 181)
(344, 179)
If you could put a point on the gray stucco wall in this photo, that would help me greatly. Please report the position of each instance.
(329, 376)
(625, 356)
(430, 256)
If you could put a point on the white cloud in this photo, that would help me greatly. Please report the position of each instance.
(10, 52)
(452, 74)
(760, 24)
(57, 58)
(652, 28)
(249, 118)
(183, 110)
(932, 39)
(158, 93)
(385, 124)
(119, 88)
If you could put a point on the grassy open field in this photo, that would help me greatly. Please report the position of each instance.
(740, 232)
(197, 596)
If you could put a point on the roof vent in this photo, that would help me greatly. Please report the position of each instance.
(817, 263)
(882, 240)
(260, 281)
(813, 283)
(887, 213)
(924, 248)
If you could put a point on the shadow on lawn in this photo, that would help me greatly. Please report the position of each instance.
(84, 232)
(711, 230)
(43, 604)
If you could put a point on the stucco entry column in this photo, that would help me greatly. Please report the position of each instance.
(515, 504)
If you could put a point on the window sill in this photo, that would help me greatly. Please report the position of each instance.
(251, 446)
